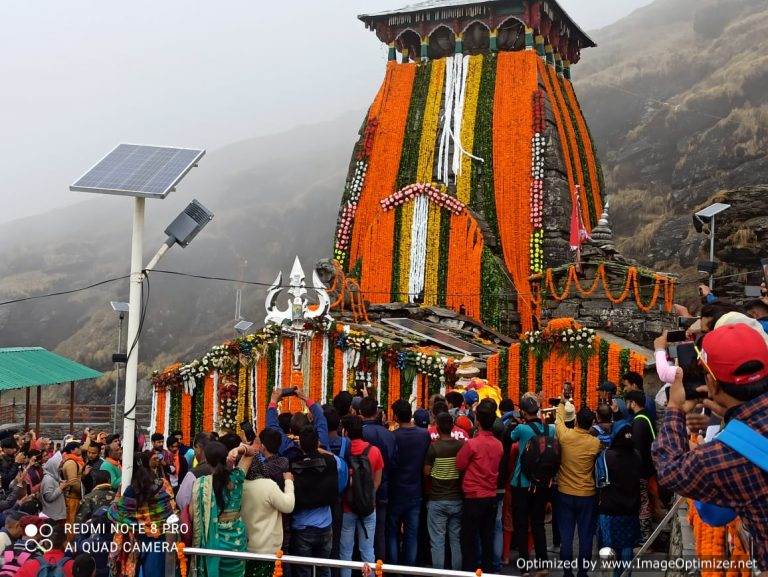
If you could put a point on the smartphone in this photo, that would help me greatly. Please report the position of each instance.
(676, 336)
(248, 431)
(289, 392)
(693, 372)
(753, 292)
(686, 322)
(554, 402)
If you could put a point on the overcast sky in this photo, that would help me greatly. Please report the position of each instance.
(79, 76)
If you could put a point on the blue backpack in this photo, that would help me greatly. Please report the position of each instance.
(51, 570)
(749, 444)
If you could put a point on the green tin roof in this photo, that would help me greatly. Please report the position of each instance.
(33, 366)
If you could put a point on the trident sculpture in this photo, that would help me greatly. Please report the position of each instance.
(294, 318)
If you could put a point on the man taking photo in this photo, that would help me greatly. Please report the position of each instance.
(734, 475)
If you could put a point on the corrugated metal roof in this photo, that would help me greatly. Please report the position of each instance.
(426, 5)
(33, 366)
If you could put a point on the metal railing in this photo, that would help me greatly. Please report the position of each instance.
(333, 563)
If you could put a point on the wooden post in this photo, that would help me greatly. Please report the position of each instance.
(72, 407)
(37, 414)
(26, 412)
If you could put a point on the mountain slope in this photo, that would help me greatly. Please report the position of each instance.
(677, 98)
(273, 197)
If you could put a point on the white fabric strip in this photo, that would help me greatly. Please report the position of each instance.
(418, 247)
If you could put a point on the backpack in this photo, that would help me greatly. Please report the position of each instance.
(362, 497)
(12, 562)
(50, 570)
(507, 468)
(343, 469)
(316, 481)
(540, 460)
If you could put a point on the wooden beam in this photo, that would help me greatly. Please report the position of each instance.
(26, 411)
(72, 407)
(37, 414)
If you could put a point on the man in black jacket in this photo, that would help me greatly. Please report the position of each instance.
(9, 462)
(643, 435)
(316, 485)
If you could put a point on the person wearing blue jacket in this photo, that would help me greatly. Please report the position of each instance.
(529, 501)
(288, 447)
(758, 310)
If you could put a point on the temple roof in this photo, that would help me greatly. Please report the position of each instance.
(438, 4)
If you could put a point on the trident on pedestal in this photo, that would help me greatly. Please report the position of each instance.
(295, 319)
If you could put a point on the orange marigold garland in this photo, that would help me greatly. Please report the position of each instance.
(492, 369)
(186, 418)
(393, 384)
(160, 410)
(465, 253)
(588, 149)
(208, 403)
(516, 82)
(614, 363)
(391, 116)
(316, 367)
(338, 370)
(560, 123)
(513, 373)
(261, 393)
(556, 95)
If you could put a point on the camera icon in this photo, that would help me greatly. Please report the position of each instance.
(38, 538)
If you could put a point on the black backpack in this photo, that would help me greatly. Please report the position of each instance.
(507, 469)
(540, 460)
(361, 492)
(316, 481)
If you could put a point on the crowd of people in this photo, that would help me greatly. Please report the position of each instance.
(461, 484)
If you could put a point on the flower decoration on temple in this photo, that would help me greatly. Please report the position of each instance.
(431, 364)
(228, 393)
(538, 152)
(168, 378)
(431, 191)
(564, 337)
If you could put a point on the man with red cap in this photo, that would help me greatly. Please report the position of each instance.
(732, 470)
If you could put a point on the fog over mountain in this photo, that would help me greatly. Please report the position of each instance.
(82, 75)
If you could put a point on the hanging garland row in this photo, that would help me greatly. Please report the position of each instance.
(633, 283)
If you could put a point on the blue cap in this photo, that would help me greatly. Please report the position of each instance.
(471, 397)
(421, 418)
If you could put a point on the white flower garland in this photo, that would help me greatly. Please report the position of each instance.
(324, 369)
(166, 428)
(345, 369)
(444, 146)
(379, 368)
(279, 365)
(458, 117)
(253, 391)
(418, 247)
(153, 412)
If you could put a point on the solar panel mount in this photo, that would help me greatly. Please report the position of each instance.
(139, 170)
(429, 333)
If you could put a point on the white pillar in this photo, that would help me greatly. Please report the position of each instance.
(132, 366)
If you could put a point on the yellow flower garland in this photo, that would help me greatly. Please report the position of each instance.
(433, 255)
(464, 179)
(242, 387)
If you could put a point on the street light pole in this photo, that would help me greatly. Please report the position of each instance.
(117, 368)
(134, 318)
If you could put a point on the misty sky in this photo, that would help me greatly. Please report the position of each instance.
(80, 76)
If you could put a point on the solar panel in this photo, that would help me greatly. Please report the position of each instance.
(138, 170)
(437, 336)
